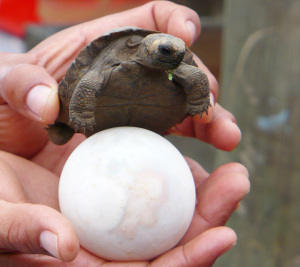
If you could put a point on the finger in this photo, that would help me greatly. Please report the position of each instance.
(164, 16)
(36, 229)
(219, 195)
(177, 20)
(11, 189)
(31, 91)
(20, 135)
(202, 251)
(27, 182)
(32, 228)
(53, 157)
(222, 132)
(230, 167)
(217, 198)
(83, 258)
(198, 172)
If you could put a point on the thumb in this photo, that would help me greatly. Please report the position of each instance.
(37, 229)
(31, 91)
(177, 20)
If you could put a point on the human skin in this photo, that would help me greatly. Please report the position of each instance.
(29, 206)
(30, 165)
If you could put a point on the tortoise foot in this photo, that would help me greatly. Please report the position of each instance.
(198, 109)
(83, 122)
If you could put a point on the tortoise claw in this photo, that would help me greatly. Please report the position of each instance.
(82, 123)
(199, 109)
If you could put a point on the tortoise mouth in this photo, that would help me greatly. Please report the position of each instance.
(168, 60)
(170, 65)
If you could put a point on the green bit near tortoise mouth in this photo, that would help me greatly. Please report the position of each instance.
(170, 76)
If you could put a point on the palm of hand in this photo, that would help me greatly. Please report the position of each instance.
(217, 196)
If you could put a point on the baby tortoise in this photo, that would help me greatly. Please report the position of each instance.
(130, 77)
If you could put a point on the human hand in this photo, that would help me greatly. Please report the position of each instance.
(28, 101)
(28, 83)
(29, 213)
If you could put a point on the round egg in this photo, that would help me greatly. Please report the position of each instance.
(129, 194)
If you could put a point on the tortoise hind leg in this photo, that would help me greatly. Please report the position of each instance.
(59, 133)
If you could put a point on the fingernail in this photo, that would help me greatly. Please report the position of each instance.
(192, 30)
(48, 241)
(212, 99)
(37, 98)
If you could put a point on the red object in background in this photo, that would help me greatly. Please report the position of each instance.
(15, 14)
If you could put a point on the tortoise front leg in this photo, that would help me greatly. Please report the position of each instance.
(83, 102)
(196, 86)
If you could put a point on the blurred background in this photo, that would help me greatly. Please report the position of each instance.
(253, 49)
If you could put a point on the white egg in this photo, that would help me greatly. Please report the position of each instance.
(129, 194)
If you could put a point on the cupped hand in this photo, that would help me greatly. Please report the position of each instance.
(29, 218)
(32, 227)
(28, 82)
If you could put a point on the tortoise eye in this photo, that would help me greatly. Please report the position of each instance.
(165, 50)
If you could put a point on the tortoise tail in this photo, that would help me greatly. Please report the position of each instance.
(59, 133)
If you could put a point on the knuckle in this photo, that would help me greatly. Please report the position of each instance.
(16, 229)
(10, 82)
(17, 80)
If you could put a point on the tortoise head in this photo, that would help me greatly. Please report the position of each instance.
(161, 51)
